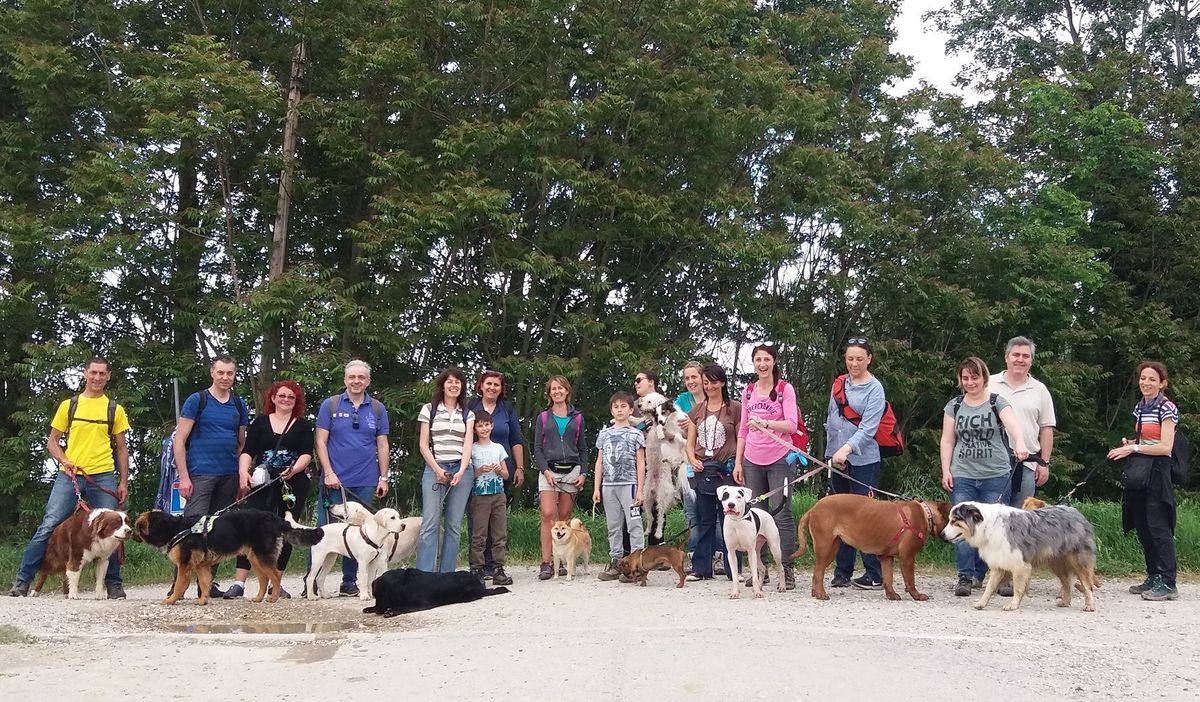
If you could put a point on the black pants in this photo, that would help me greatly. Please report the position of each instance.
(1153, 519)
(271, 500)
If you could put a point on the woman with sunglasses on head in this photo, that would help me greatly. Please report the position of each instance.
(506, 431)
(280, 440)
(1148, 502)
(447, 432)
(560, 452)
(711, 447)
(769, 410)
(852, 448)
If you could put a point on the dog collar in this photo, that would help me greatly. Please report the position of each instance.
(928, 517)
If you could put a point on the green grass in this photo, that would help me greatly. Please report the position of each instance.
(1118, 554)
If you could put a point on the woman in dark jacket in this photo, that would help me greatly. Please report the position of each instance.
(1148, 504)
(560, 452)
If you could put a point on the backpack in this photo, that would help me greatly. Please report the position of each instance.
(112, 419)
(1181, 452)
(167, 498)
(203, 400)
(888, 435)
(376, 406)
(798, 439)
(544, 418)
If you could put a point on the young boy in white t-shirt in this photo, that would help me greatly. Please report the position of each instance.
(489, 510)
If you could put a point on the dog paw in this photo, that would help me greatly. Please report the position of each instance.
(1059, 602)
(892, 596)
(570, 578)
(820, 595)
(1087, 608)
(168, 601)
(758, 595)
(72, 597)
(980, 605)
(735, 595)
(1010, 607)
(919, 596)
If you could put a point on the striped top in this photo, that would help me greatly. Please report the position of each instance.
(1152, 414)
(448, 432)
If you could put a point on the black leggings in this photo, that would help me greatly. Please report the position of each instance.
(271, 500)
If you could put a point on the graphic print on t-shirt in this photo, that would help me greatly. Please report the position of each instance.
(976, 434)
(710, 435)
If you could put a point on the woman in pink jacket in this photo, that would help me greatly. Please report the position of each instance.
(769, 407)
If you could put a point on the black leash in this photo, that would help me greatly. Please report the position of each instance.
(208, 519)
(1086, 477)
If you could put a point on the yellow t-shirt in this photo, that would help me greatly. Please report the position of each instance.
(88, 443)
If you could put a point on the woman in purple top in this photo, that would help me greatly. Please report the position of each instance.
(769, 409)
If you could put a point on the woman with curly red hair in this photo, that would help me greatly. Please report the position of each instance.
(280, 440)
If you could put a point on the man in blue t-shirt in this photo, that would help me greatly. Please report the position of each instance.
(352, 446)
(208, 439)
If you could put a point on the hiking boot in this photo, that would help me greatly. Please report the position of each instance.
(1147, 584)
(839, 581)
(976, 583)
(1161, 591)
(789, 577)
(718, 563)
(546, 572)
(499, 577)
(562, 571)
(19, 589)
(348, 590)
(609, 573)
(624, 578)
(1005, 589)
(477, 572)
(236, 591)
(115, 591)
(963, 588)
(863, 582)
(766, 577)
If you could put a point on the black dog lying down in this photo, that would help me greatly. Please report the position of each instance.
(411, 590)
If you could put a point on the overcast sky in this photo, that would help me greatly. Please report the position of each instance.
(926, 46)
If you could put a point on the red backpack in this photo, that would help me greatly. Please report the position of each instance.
(800, 438)
(888, 436)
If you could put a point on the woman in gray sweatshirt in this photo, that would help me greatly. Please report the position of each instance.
(560, 453)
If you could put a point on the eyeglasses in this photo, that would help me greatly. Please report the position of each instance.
(638, 380)
(285, 397)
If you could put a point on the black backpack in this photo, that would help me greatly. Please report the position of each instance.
(203, 400)
(111, 421)
(1181, 456)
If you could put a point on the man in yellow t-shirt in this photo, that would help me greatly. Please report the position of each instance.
(96, 448)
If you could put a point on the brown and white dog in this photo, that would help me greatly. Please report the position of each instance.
(643, 560)
(84, 537)
(570, 542)
(885, 529)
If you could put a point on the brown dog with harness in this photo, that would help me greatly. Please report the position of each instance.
(885, 529)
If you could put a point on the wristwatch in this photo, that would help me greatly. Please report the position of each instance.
(1137, 448)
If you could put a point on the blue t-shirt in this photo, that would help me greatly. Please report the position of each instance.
(352, 450)
(212, 445)
(618, 453)
(489, 483)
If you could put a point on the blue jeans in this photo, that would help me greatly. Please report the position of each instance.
(61, 505)
(990, 490)
(869, 474)
(438, 500)
(690, 520)
(364, 495)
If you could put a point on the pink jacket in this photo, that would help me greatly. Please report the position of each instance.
(760, 449)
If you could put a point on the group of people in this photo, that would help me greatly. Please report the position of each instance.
(996, 443)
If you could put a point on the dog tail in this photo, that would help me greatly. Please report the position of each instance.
(496, 591)
(301, 536)
(801, 537)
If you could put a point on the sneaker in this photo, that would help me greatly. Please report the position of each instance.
(499, 577)
(477, 572)
(236, 591)
(115, 591)
(839, 581)
(19, 589)
(609, 573)
(562, 570)
(283, 594)
(1147, 584)
(963, 588)
(789, 577)
(692, 577)
(863, 582)
(546, 572)
(718, 563)
(489, 572)
(976, 583)
(214, 591)
(1161, 591)
(1005, 589)
(348, 590)
(766, 577)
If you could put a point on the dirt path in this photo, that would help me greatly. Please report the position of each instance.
(593, 640)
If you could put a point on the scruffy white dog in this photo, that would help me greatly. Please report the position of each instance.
(666, 457)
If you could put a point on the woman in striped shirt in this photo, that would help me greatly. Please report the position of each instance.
(1151, 510)
(447, 431)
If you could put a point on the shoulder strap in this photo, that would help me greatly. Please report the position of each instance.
(957, 405)
(112, 416)
(839, 398)
(377, 408)
(71, 408)
(999, 422)
(578, 426)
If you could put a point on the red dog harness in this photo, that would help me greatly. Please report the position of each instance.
(905, 525)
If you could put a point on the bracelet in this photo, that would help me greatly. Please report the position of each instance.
(383, 479)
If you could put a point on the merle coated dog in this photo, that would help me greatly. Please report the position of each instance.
(410, 590)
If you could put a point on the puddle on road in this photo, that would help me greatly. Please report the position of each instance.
(264, 627)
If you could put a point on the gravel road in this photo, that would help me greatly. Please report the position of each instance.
(593, 640)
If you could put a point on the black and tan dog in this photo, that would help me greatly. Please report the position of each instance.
(637, 564)
(885, 529)
(193, 545)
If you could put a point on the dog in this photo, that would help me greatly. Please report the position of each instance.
(885, 529)
(570, 542)
(372, 540)
(410, 590)
(637, 564)
(1013, 541)
(85, 537)
(747, 529)
(1035, 503)
(666, 457)
(198, 543)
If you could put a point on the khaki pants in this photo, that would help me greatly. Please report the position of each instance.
(488, 513)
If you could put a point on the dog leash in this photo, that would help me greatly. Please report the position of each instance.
(1087, 476)
(821, 465)
(208, 519)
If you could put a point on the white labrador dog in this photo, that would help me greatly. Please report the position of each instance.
(666, 457)
(747, 529)
(367, 538)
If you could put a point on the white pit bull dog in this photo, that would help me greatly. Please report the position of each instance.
(747, 529)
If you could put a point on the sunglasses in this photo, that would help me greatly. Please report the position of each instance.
(639, 380)
(858, 340)
(354, 419)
